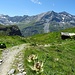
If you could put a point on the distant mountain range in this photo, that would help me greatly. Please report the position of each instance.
(41, 23)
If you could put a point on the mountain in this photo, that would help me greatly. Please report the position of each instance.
(49, 22)
(9, 30)
(42, 23)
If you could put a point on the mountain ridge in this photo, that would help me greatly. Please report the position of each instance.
(41, 23)
(16, 19)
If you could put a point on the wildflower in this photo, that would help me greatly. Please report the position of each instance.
(38, 67)
(56, 59)
(32, 58)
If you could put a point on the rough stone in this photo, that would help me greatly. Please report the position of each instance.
(19, 65)
(24, 73)
(19, 74)
(20, 70)
(12, 71)
(0, 61)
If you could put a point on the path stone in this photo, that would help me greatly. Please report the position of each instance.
(0, 61)
(8, 56)
(12, 71)
(24, 73)
(19, 74)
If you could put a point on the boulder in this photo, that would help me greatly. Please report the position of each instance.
(67, 35)
(2, 45)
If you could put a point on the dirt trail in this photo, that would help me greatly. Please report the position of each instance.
(8, 58)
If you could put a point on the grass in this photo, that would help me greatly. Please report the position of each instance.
(11, 41)
(49, 38)
(45, 38)
(58, 58)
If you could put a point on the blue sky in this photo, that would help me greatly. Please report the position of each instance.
(33, 7)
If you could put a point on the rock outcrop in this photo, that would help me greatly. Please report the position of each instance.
(10, 30)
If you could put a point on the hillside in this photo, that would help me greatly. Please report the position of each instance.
(11, 41)
(56, 56)
(41, 23)
(49, 22)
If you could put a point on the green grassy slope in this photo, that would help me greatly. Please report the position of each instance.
(22, 25)
(58, 58)
(57, 55)
(49, 38)
(11, 41)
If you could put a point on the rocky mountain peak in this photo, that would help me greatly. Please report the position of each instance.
(41, 23)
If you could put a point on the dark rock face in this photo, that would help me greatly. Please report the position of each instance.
(10, 30)
(14, 30)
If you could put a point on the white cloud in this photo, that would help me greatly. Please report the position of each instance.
(36, 1)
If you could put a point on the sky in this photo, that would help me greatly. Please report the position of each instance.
(34, 7)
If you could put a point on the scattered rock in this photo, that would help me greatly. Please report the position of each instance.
(12, 71)
(0, 61)
(19, 74)
(24, 73)
(20, 70)
(20, 65)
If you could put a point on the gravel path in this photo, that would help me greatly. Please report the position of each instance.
(8, 58)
